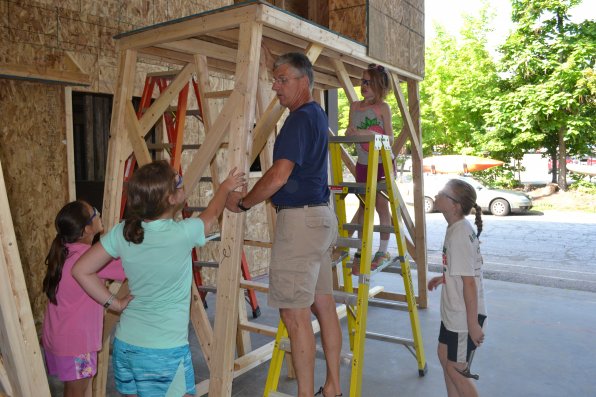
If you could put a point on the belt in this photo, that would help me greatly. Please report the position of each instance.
(289, 207)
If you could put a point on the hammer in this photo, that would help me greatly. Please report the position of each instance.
(466, 371)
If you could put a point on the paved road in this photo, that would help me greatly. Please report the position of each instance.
(555, 249)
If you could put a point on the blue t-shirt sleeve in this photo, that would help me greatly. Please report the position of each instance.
(291, 142)
(194, 228)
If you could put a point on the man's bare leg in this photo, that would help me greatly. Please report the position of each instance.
(302, 342)
(324, 309)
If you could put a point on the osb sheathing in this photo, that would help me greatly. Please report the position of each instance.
(396, 33)
(33, 156)
(32, 135)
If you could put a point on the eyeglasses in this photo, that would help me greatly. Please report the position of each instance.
(374, 66)
(179, 181)
(442, 193)
(283, 80)
(95, 213)
(365, 82)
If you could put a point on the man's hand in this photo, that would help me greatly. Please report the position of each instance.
(232, 201)
(476, 333)
(435, 282)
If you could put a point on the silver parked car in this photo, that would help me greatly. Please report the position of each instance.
(498, 202)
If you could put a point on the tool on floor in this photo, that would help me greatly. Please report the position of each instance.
(466, 371)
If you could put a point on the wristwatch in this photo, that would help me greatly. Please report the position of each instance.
(242, 207)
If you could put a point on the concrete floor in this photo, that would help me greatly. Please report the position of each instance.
(540, 341)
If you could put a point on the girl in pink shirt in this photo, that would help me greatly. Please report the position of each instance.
(73, 322)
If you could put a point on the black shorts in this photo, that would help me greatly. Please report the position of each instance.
(459, 344)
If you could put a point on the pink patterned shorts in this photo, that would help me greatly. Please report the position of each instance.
(69, 368)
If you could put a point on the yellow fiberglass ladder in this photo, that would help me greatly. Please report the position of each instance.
(355, 301)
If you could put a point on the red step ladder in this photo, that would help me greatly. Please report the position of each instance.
(174, 121)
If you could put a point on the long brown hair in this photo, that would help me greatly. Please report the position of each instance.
(466, 195)
(147, 197)
(70, 224)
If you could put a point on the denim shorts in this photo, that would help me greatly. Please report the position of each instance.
(149, 372)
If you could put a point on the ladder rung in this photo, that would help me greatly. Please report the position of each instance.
(355, 187)
(351, 299)
(390, 338)
(388, 304)
(205, 264)
(206, 288)
(255, 285)
(377, 228)
(162, 146)
(284, 344)
(189, 112)
(165, 74)
(352, 138)
(349, 242)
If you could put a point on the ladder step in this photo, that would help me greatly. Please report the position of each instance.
(355, 187)
(254, 285)
(390, 338)
(386, 304)
(351, 299)
(346, 358)
(206, 288)
(205, 264)
(349, 242)
(162, 146)
(352, 139)
(377, 228)
(189, 112)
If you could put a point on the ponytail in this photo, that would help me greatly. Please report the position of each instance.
(478, 219)
(133, 229)
(70, 224)
(55, 262)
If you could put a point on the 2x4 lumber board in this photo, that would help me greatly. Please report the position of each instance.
(118, 143)
(158, 107)
(419, 214)
(228, 276)
(201, 325)
(344, 79)
(20, 347)
(187, 27)
(195, 46)
(4, 380)
(284, 22)
(43, 74)
(70, 156)
(274, 111)
(136, 136)
(405, 112)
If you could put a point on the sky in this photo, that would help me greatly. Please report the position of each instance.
(448, 14)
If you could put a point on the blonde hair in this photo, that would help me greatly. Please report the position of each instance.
(466, 196)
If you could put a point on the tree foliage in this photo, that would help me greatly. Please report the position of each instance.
(547, 97)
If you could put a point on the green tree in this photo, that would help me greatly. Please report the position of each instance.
(547, 97)
(460, 82)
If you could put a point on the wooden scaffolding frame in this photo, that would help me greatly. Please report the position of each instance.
(22, 371)
(241, 41)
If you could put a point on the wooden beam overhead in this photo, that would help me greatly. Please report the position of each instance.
(68, 72)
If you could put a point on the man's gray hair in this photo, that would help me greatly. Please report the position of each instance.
(299, 62)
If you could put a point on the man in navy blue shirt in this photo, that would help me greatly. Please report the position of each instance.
(300, 274)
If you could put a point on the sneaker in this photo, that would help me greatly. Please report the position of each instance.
(356, 264)
(379, 258)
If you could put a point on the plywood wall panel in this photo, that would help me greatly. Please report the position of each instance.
(350, 22)
(33, 155)
(339, 4)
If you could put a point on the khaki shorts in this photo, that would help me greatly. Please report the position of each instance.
(301, 256)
